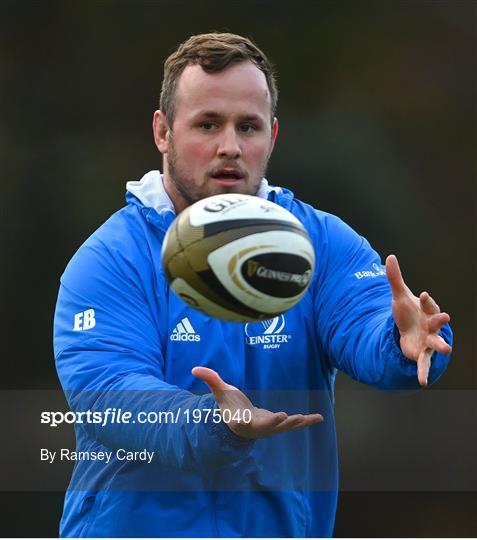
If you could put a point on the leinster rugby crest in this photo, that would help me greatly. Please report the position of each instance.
(270, 334)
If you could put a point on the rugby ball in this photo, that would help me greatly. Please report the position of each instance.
(238, 258)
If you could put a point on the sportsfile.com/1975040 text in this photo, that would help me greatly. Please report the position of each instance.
(112, 415)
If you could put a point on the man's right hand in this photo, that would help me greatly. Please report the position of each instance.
(263, 423)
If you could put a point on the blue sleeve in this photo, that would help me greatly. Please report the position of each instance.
(108, 353)
(354, 318)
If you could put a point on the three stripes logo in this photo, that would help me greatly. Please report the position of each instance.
(267, 333)
(184, 332)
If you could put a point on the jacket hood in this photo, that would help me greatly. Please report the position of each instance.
(151, 193)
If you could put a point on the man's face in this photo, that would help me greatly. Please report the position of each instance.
(222, 136)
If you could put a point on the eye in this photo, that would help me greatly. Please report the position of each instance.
(247, 128)
(207, 126)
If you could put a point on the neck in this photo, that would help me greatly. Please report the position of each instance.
(179, 202)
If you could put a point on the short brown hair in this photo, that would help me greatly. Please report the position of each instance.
(213, 52)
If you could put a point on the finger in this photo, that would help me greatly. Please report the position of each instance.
(289, 423)
(265, 425)
(279, 417)
(423, 366)
(393, 273)
(263, 421)
(437, 321)
(311, 419)
(438, 344)
(428, 304)
(210, 377)
(297, 421)
(270, 420)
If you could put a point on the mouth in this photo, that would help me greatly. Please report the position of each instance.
(228, 176)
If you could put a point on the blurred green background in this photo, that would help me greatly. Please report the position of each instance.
(377, 115)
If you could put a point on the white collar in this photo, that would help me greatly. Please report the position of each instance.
(151, 192)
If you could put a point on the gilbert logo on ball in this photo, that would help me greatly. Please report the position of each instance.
(238, 258)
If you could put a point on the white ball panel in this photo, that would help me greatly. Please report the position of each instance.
(221, 261)
(237, 206)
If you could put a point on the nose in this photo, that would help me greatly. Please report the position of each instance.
(229, 144)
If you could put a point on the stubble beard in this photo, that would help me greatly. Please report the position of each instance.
(191, 193)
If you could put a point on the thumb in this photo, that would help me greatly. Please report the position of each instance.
(393, 273)
(211, 378)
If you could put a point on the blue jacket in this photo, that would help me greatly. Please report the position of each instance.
(116, 346)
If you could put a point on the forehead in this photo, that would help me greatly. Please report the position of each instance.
(241, 88)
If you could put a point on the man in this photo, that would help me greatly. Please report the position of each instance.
(116, 314)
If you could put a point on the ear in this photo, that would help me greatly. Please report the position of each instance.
(161, 131)
(274, 133)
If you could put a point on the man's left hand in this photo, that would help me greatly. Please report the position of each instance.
(418, 319)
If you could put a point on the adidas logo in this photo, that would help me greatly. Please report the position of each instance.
(184, 332)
